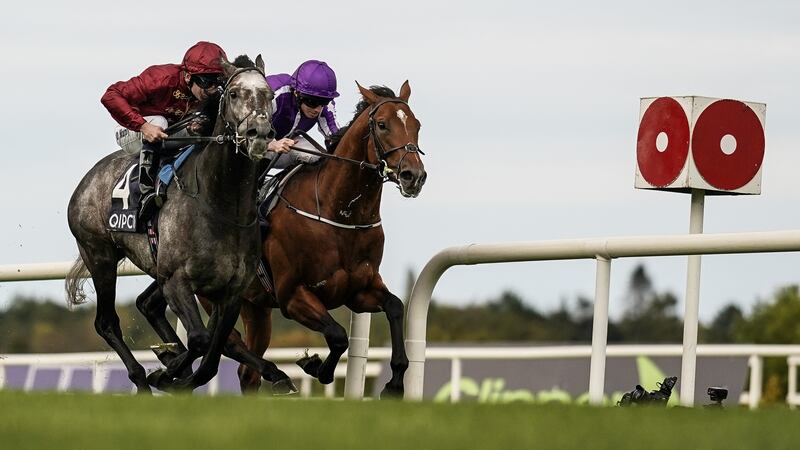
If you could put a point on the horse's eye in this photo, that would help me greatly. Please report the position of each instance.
(233, 94)
(381, 125)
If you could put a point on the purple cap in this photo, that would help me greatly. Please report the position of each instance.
(315, 78)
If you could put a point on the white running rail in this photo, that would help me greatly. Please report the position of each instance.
(101, 363)
(603, 250)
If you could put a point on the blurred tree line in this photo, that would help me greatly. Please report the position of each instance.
(32, 325)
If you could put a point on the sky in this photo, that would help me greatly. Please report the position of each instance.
(529, 116)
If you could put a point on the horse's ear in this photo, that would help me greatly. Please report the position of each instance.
(405, 91)
(227, 68)
(260, 63)
(368, 95)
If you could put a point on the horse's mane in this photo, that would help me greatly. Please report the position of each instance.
(243, 61)
(335, 138)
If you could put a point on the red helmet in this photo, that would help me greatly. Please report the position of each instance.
(203, 57)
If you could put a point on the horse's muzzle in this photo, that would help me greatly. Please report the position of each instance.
(258, 137)
(411, 180)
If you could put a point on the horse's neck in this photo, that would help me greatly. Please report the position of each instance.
(347, 191)
(226, 178)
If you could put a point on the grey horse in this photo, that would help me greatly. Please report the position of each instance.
(208, 235)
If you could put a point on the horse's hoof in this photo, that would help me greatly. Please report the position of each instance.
(284, 387)
(171, 369)
(160, 380)
(250, 388)
(390, 393)
(325, 378)
(310, 364)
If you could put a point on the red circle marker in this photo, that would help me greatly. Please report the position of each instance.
(721, 118)
(662, 168)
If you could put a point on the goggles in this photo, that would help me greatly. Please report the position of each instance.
(206, 81)
(313, 101)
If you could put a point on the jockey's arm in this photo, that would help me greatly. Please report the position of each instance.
(118, 100)
(327, 120)
(121, 98)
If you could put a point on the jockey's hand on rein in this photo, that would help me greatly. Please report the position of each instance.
(281, 145)
(195, 127)
(152, 133)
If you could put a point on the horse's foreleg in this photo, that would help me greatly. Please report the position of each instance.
(153, 306)
(258, 328)
(235, 346)
(221, 324)
(104, 277)
(181, 300)
(306, 308)
(382, 299)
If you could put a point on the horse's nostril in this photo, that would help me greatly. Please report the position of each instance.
(271, 134)
(251, 133)
(406, 175)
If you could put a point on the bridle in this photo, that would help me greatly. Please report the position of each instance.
(383, 167)
(228, 136)
(257, 113)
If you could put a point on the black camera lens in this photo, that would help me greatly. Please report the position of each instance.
(717, 394)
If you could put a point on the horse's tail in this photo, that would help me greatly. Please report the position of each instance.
(74, 281)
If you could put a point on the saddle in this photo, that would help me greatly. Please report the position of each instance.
(270, 191)
(126, 195)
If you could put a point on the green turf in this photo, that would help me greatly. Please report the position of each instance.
(64, 421)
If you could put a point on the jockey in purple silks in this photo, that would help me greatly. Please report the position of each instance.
(302, 100)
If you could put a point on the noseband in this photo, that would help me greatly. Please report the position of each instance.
(380, 151)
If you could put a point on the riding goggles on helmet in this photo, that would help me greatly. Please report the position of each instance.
(313, 101)
(206, 81)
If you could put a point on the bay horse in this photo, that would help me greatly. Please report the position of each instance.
(324, 245)
(208, 236)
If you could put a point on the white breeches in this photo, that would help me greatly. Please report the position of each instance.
(131, 141)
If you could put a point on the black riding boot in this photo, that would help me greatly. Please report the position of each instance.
(148, 167)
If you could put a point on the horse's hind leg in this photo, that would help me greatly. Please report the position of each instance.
(257, 333)
(306, 308)
(103, 267)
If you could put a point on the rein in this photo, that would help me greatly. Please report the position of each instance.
(382, 167)
(234, 137)
(219, 139)
(322, 153)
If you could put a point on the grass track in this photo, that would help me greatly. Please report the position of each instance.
(62, 422)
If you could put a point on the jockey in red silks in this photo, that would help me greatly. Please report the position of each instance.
(302, 100)
(147, 104)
